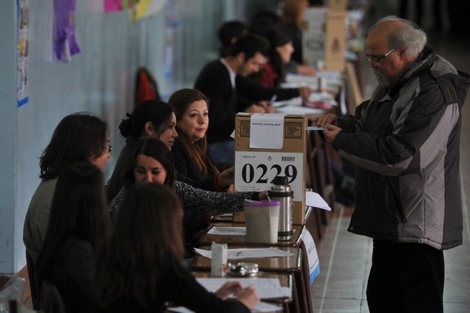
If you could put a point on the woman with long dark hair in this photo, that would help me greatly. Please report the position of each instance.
(78, 138)
(151, 161)
(78, 222)
(140, 268)
(189, 152)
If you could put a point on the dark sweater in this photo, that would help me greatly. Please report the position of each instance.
(214, 82)
(176, 285)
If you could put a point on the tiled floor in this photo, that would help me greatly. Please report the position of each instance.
(345, 257)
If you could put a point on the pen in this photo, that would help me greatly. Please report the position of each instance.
(273, 99)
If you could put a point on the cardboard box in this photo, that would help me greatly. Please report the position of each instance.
(267, 145)
(314, 37)
(335, 41)
(338, 5)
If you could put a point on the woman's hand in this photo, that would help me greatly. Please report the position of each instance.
(226, 178)
(263, 195)
(249, 297)
(229, 288)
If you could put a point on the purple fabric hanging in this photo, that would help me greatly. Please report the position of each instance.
(65, 44)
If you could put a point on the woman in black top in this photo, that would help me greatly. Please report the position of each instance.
(78, 221)
(189, 152)
(140, 267)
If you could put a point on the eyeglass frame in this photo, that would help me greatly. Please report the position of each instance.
(379, 59)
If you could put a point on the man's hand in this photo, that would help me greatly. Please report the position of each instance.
(304, 92)
(323, 120)
(267, 105)
(254, 108)
(330, 132)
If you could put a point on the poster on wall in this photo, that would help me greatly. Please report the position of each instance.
(146, 8)
(117, 5)
(23, 45)
(170, 27)
(64, 42)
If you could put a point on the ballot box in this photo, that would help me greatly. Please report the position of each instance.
(269, 145)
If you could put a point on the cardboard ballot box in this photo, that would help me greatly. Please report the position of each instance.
(268, 145)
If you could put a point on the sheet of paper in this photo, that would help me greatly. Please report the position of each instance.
(313, 260)
(299, 110)
(313, 199)
(227, 231)
(260, 307)
(267, 130)
(297, 101)
(247, 253)
(267, 288)
(314, 128)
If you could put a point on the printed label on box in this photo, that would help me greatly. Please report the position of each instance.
(254, 171)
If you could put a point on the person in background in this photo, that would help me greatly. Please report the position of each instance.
(190, 149)
(151, 118)
(140, 268)
(405, 142)
(155, 119)
(265, 86)
(248, 87)
(78, 222)
(217, 81)
(151, 161)
(228, 34)
(269, 19)
(280, 52)
(78, 138)
(292, 18)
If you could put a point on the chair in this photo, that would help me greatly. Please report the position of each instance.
(50, 300)
(320, 173)
(33, 281)
(18, 307)
(146, 87)
(312, 183)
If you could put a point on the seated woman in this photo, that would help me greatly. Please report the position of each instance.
(189, 152)
(140, 268)
(78, 221)
(151, 161)
(280, 51)
(154, 119)
(270, 19)
(78, 138)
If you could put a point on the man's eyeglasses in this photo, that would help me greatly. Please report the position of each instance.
(377, 59)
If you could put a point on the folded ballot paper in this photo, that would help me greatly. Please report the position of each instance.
(246, 253)
(260, 307)
(267, 288)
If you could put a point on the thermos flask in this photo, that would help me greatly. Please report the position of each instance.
(280, 190)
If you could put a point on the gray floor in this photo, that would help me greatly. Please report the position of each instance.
(345, 257)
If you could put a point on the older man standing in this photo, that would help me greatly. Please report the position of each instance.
(405, 143)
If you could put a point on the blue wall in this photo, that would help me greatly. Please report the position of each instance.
(100, 80)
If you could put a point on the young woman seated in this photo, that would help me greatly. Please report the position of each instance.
(140, 268)
(78, 222)
(154, 119)
(78, 138)
(189, 151)
(151, 161)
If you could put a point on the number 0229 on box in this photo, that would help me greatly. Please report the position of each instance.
(256, 170)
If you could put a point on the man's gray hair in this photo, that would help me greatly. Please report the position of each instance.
(409, 37)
